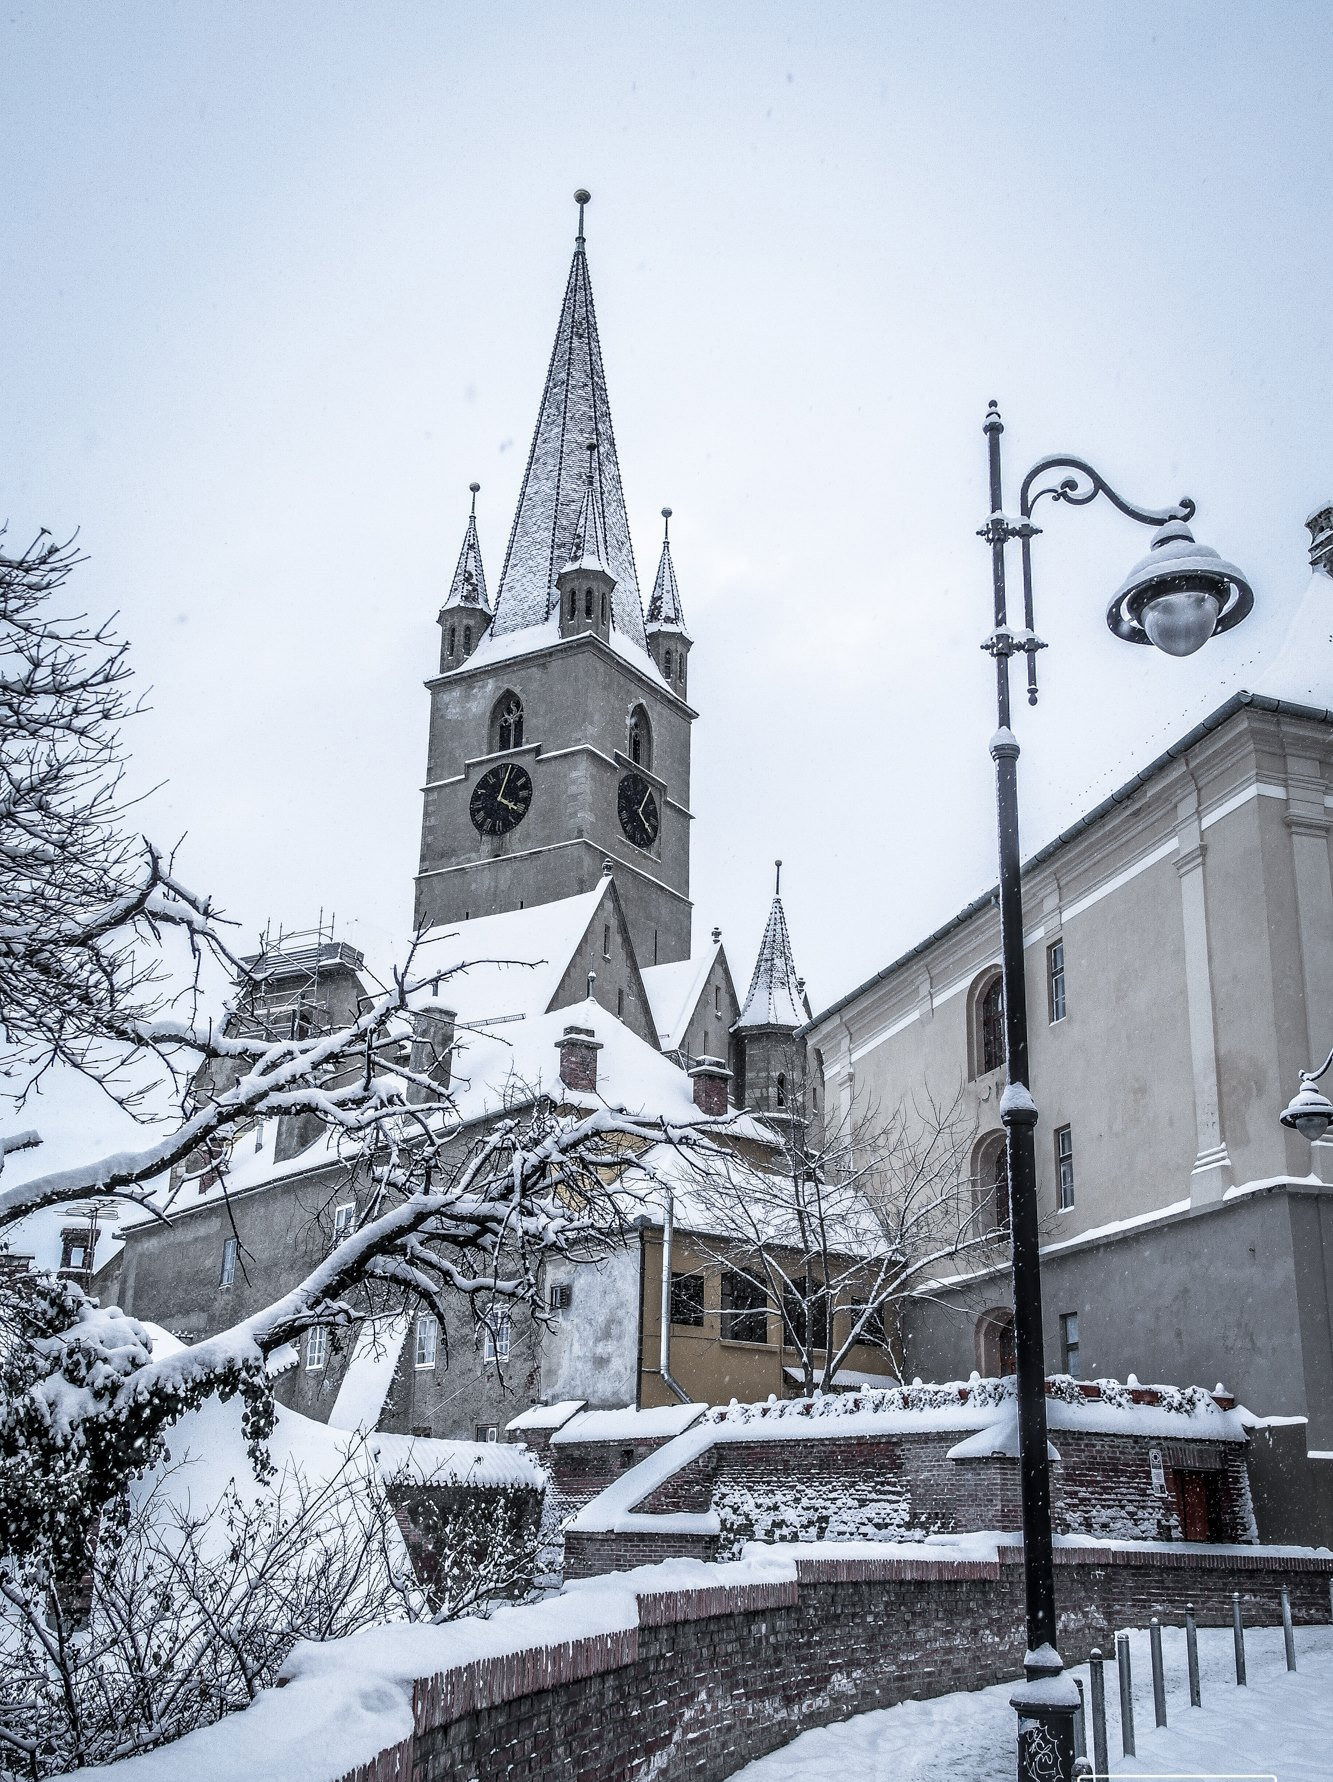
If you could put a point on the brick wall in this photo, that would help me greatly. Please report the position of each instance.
(715, 1676)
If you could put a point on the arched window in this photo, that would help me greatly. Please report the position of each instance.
(467, 640)
(573, 597)
(507, 723)
(990, 1185)
(604, 609)
(986, 1023)
(640, 738)
(996, 1355)
(666, 663)
(453, 638)
(782, 1089)
(587, 603)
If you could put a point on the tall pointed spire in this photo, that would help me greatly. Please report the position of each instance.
(664, 608)
(776, 996)
(468, 587)
(574, 410)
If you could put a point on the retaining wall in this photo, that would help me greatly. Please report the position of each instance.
(714, 1676)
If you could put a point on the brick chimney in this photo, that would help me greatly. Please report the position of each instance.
(432, 1049)
(710, 1077)
(1320, 523)
(578, 1059)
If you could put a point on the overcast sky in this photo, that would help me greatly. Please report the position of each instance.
(281, 279)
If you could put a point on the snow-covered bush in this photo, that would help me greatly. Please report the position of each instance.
(794, 1513)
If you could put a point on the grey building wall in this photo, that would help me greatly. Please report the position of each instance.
(592, 1352)
(577, 697)
(1196, 918)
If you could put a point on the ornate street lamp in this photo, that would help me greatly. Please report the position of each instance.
(1176, 598)
(1308, 1112)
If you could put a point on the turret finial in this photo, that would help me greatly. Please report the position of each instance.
(581, 197)
(777, 880)
(474, 487)
(666, 529)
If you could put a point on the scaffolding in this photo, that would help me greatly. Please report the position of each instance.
(282, 994)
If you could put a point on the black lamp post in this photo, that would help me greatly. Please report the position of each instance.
(1176, 598)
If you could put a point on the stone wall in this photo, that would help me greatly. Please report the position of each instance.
(716, 1675)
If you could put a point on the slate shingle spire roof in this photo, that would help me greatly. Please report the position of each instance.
(588, 547)
(664, 608)
(574, 410)
(776, 996)
(468, 587)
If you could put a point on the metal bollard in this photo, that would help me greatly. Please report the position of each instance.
(1288, 1637)
(1100, 1763)
(1192, 1656)
(1158, 1680)
(1238, 1638)
(1080, 1727)
(1126, 1695)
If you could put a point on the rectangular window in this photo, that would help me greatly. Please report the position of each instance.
(620, 1003)
(1055, 980)
(561, 1296)
(717, 999)
(606, 940)
(1064, 1168)
(687, 1299)
(805, 1314)
(316, 1347)
(744, 1309)
(497, 1338)
(1069, 1343)
(344, 1218)
(487, 1432)
(427, 1336)
(227, 1273)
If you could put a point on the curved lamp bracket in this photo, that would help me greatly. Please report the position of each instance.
(1086, 485)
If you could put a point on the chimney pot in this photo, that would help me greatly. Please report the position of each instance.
(578, 1058)
(710, 1077)
(1320, 524)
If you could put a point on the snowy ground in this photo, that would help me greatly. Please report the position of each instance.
(1278, 1726)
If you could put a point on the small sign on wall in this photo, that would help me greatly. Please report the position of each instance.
(1158, 1470)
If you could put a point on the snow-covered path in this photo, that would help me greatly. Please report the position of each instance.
(1279, 1725)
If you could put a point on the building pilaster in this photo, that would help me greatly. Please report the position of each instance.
(1211, 1175)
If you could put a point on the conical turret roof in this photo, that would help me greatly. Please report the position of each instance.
(588, 546)
(574, 410)
(664, 609)
(468, 587)
(776, 997)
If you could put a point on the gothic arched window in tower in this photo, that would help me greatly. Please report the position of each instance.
(587, 603)
(640, 738)
(782, 1089)
(453, 638)
(507, 724)
(666, 661)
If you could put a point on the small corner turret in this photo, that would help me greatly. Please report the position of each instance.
(585, 585)
(770, 1051)
(668, 640)
(466, 614)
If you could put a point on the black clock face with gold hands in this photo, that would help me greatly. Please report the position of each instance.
(636, 807)
(500, 799)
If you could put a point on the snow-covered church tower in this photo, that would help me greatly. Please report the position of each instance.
(559, 729)
(771, 1074)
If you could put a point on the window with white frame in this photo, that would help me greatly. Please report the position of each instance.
(316, 1347)
(1055, 981)
(428, 1332)
(1064, 1168)
(344, 1217)
(227, 1273)
(496, 1342)
(1069, 1343)
(487, 1432)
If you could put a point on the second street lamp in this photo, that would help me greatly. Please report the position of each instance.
(1176, 599)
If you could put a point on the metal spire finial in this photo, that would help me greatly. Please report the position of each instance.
(474, 487)
(581, 197)
(777, 882)
(666, 528)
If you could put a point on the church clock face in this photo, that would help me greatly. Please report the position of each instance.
(636, 807)
(500, 799)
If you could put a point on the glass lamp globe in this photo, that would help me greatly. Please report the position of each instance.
(1179, 594)
(1309, 1113)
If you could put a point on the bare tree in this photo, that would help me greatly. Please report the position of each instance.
(857, 1217)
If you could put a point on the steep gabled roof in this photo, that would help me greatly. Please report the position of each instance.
(468, 587)
(776, 997)
(674, 992)
(665, 612)
(574, 412)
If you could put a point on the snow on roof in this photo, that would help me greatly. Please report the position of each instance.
(547, 1416)
(424, 1460)
(627, 1424)
(674, 991)
(468, 587)
(505, 646)
(775, 997)
(664, 609)
(365, 1385)
(515, 960)
(574, 411)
